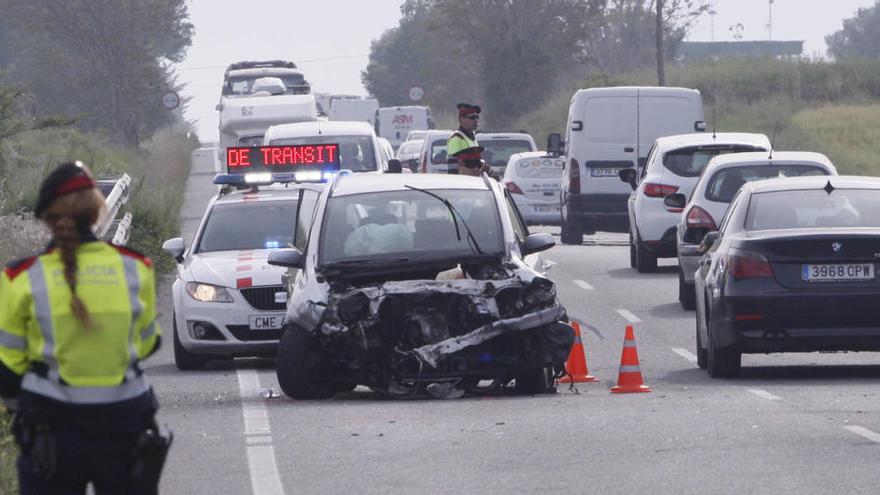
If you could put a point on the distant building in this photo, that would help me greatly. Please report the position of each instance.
(701, 50)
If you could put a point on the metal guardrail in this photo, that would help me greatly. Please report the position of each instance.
(117, 197)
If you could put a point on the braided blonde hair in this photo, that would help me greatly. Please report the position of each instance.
(67, 216)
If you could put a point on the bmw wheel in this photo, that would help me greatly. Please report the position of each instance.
(722, 362)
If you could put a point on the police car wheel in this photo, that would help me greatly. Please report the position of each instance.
(183, 359)
(298, 366)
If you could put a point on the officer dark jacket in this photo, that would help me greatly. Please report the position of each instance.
(51, 362)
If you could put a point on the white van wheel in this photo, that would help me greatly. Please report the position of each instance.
(571, 234)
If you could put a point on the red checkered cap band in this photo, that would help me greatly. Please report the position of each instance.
(75, 183)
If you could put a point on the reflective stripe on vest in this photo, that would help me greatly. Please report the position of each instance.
(10, 341)
(40, 293)
(134, 288)
(84, 395)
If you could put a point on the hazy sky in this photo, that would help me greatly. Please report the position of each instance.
(330, 39)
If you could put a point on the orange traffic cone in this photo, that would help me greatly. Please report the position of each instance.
(630, 377)
(576, 365)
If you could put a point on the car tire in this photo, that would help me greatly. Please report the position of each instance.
(702, 353)
(298, 364)
(686, 293)
(632, 252)
(534, 381)
(571, 234)
(722, 362)
(645, 261)
(183, 359)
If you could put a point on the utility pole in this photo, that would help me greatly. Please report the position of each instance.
(712, 13)
(661, 68)
(770, 18)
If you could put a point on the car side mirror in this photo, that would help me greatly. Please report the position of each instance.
(676, 201)
(535, 243)
(287, 257)
(175, 247)
(700, 126)
(630, 176)
(394, 166)
(709, 240)
(554, 144)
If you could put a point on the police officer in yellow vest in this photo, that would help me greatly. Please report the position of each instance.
(74, 323)
(465, 154)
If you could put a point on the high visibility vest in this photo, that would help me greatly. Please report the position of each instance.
(61, 359)
(458, 142)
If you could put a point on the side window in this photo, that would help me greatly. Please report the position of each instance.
(519, 226)
(305, 216)
(648, 161)
(726, 218)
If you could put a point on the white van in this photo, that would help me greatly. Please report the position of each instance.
(609, 130)
(395, 123)
(353, 110)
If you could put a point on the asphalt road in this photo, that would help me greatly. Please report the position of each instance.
(792, 423)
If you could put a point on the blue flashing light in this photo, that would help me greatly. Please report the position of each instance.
(273, 244)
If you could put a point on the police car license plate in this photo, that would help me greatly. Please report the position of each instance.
(266, 322)
(604, 172)
(839, 272)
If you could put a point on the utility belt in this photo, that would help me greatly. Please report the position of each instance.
(35, 433)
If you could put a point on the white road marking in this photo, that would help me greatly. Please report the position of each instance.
(258, 437)
(764, 394)
(628, 316)
(685, 354)
(582, 284)
(864, 433)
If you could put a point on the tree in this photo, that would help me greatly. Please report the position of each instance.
(860, 36)
(105, 62)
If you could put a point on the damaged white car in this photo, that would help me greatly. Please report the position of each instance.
(414, 284)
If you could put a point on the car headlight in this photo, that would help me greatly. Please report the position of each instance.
(208, 292)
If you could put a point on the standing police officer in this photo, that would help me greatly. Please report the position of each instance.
(74, 323)
(462, 148)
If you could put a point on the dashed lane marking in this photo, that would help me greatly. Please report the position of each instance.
(582, 284)
(764, 394)
(685, 354)
(258, 437)
(864, 433)
(628, 316)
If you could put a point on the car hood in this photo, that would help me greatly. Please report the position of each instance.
(235, 269)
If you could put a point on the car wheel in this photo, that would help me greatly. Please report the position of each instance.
(534, 381)
(632, 252)
(183, 359)
(702, 353)
(645, 261)
(298, 366)
(722, 362)
(571, 234)
(686, 293)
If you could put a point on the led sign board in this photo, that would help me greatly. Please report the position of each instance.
(288, 158)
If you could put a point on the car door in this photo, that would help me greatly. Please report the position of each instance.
(305, 217)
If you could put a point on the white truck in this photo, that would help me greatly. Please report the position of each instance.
(394, 123)
(257, 95)
(353, 110)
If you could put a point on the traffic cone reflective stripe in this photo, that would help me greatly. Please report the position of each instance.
(576, 365)
(629, 379)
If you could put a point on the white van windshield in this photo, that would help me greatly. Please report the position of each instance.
(355, 152)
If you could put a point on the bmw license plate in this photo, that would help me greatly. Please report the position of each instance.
(839, 272)
(604, 172)
(266, 322)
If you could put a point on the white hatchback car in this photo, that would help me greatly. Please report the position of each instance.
(499, 146)
(433, 158)
(534, 181)
(228, 302)
(673, 166)
(715, 190)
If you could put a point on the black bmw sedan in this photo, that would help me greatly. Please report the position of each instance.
(792, 268)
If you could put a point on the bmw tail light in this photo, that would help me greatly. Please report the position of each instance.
(748, 264)
(574, 177)
(653, 190)
(513, 188)
(698, 218)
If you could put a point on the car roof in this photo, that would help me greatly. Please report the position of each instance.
(372, 183)
(332, 127)
(636, 91)
(812, 182)
(763, 158)
(503, 135)
(706, 138)
(274, 192)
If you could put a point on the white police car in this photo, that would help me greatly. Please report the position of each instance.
(228, 302)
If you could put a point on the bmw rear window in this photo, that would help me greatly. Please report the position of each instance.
(690, 162)
(815, 208)
(726, 182)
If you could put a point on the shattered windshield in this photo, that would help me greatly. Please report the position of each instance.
(409, 226)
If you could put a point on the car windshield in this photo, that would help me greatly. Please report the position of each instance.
(409, 224)
(726, 182)
(496, 152)
(256, 225)
(438, 152)
(843, 208)
(690, 162)
(243, 85)
(355, 152)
